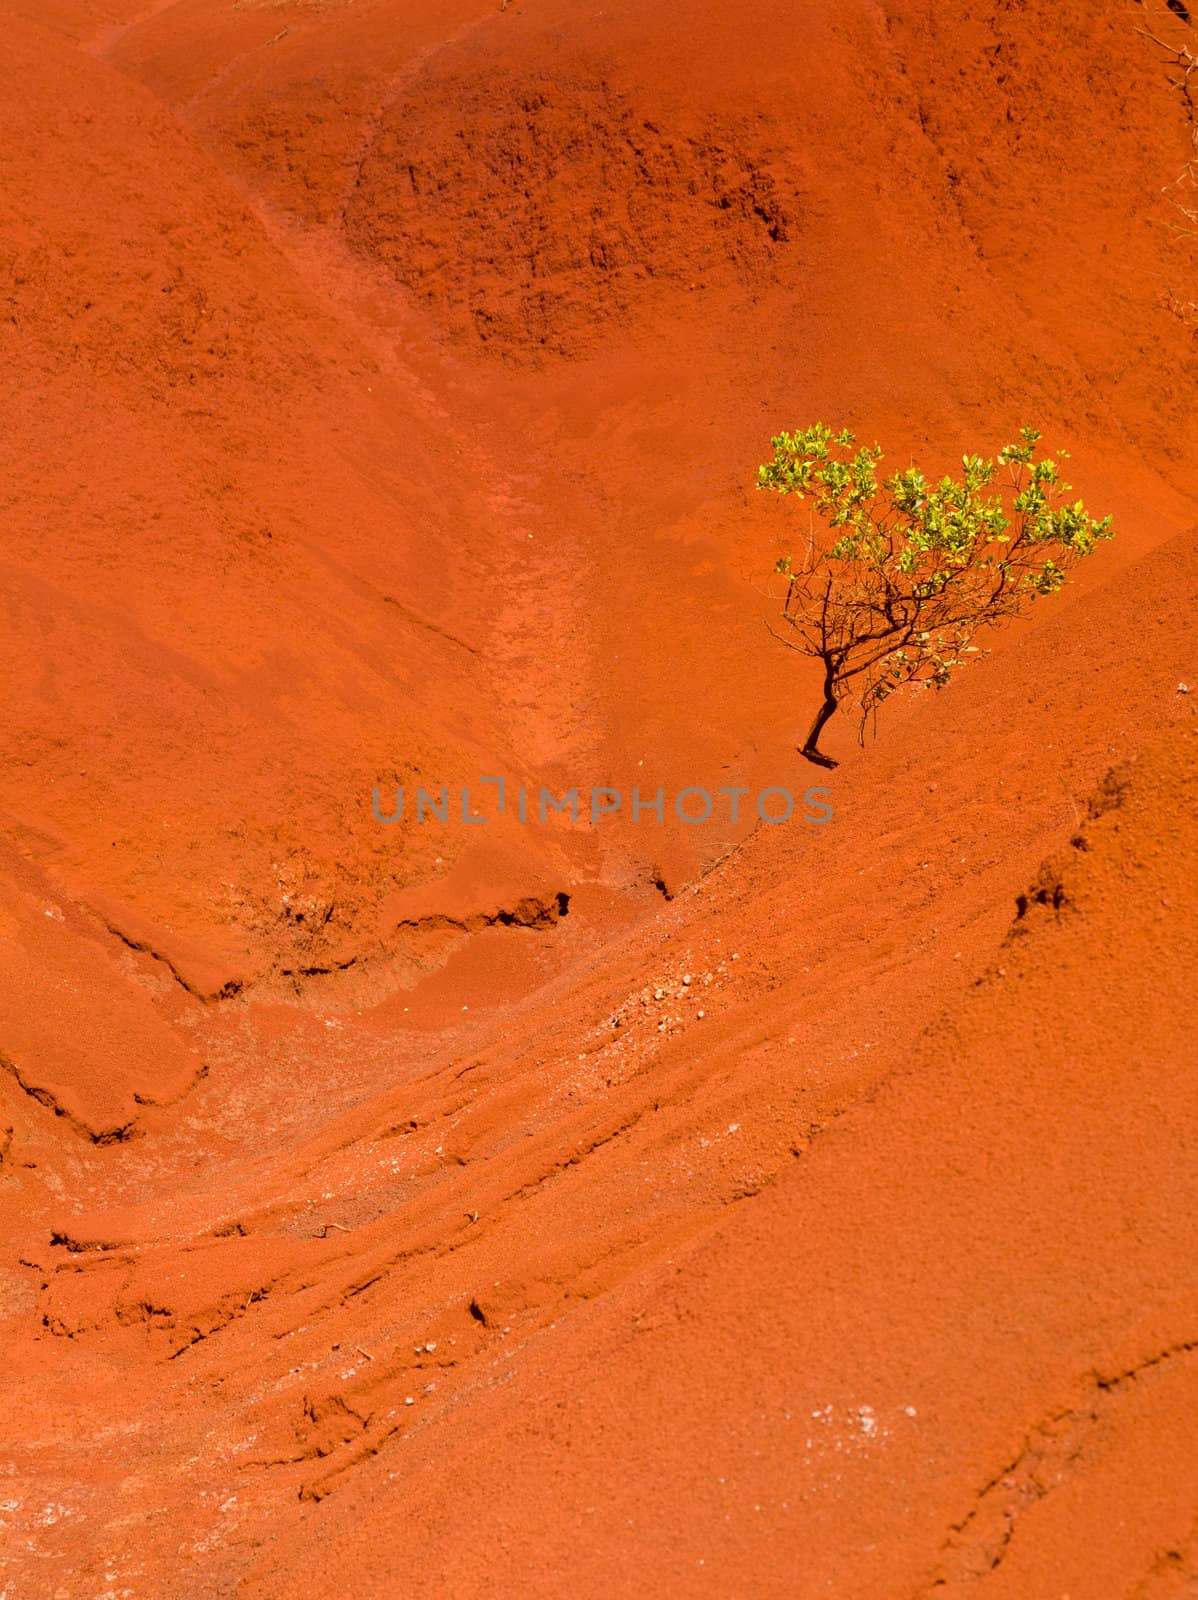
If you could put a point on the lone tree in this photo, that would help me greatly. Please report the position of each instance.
(914, 568)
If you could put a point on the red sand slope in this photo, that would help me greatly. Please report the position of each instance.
(383, 388)
(954, 1350)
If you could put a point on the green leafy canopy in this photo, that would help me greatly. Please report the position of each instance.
(910, 567)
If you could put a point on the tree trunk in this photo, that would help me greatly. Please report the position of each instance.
(809, 748)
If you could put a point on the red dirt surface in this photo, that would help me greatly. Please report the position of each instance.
(602, 1209)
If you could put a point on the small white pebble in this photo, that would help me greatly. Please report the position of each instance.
(409, 1400)
(700, 1015)
(686, 978)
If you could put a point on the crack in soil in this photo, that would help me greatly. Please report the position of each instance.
(978, 1544)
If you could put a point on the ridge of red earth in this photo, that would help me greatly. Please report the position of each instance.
(951, 1350)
